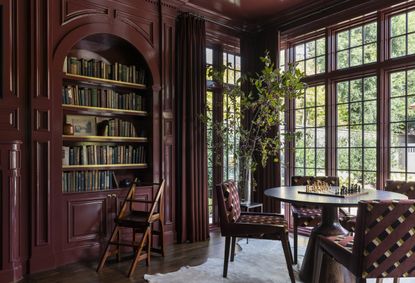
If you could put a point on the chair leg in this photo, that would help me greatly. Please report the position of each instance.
(107, 249)
(226, 259)
(295, 241)
(118, 246)
(161, 237)
(138, 255)
(360, 280)
(150, 235)
(233, 248)
(318, 260)
(286, 248)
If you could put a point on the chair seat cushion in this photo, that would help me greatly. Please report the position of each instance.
(340, 248)
(306, 215)
(345, 241)
(133, 219)
(268, 219)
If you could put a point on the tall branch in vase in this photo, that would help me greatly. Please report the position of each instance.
(253, 117)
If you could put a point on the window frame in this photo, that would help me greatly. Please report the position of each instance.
(381, 68)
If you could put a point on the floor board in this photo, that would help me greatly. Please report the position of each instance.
(178, 255)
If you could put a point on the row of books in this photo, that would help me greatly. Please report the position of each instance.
(103, 154)
(97, 97)
(87, 181)
(117, 128)
(100, 69)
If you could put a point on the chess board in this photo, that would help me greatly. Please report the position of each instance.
(332, 193)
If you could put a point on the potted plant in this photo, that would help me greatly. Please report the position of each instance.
(258, 105)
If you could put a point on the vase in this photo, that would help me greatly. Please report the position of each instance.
(247, 181)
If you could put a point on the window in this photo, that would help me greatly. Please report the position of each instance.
(370, 129)
(356, 131)
(231, 115)
(310, 56)
(402, 34)
(356, 46)
(282, 60)
(224, 109)
(310, 124)
(233, 68)
(402, 125)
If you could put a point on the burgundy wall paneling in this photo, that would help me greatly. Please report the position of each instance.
(140, 27)
(168, 151)
(10, 192)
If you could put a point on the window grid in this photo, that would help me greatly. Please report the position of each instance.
(310, 56)
(310, 144)
(282, 60)
(402, 34)
(381, 18)
(230, 115)
(356, 128)
(402, 125)
(356, 46)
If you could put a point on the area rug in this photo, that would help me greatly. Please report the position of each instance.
(259, 261)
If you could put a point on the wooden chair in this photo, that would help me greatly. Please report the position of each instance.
(234, 223)
(383, 245)
(310, 216)
(140, 222)
(402, 187)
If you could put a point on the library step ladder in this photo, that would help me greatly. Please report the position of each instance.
(141, 222)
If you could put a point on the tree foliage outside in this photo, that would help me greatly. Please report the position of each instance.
(258, 100)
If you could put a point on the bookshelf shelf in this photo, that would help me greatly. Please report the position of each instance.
(102, 82)
(104, 167)
(104, 139)
(102, 111)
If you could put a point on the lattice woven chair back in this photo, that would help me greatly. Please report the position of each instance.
(231, 199)
(402, 187)
(384, 243)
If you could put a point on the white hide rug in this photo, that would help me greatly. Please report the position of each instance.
(259, 261)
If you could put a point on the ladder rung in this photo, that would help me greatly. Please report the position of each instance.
(125, 244)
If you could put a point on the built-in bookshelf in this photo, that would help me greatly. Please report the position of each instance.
(106, 137)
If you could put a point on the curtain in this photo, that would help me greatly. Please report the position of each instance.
(253, 46)
(192, 197)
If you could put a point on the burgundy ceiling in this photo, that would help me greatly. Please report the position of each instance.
(249, 10)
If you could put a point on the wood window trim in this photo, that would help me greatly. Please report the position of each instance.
(381, 68)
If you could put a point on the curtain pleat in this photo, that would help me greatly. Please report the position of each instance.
(192, 198)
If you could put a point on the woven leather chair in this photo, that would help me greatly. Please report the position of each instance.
(402, 187)
(310, 216)
(141, 222)
(383, 245)
(234, 223)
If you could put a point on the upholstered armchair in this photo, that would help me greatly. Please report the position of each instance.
(310, 216)
(234, 223)
(383, 245)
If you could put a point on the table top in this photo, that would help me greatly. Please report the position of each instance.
(291, 195)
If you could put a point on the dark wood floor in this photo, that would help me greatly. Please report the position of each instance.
(177, 256)
(114, 272)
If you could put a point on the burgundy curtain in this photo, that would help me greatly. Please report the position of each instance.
(253, 46)
(192, 198)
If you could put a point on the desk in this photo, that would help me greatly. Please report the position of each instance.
(329, 225)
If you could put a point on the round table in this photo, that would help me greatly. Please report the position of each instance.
(329, 225)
